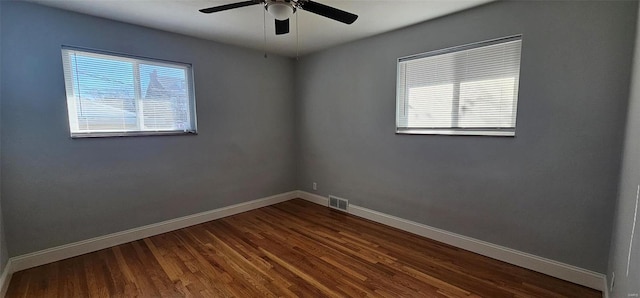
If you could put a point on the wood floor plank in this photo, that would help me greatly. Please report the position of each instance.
(291, 249)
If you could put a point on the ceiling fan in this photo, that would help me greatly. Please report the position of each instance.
(283, 9)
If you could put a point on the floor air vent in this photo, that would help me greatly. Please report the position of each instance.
(338, 203)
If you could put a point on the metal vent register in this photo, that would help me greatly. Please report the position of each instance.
(338, 203)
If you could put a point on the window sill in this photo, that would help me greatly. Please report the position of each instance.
(130, 134)
(457, 132)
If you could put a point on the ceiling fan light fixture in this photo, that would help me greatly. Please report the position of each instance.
(280, 11)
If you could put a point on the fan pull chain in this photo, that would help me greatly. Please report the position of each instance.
(297, 40)
(264, 31)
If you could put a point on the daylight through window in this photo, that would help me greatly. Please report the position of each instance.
(116, 95)
(468, 90)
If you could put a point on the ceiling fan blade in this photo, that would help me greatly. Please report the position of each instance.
(329, 12)
(228, 6)
(282, 27)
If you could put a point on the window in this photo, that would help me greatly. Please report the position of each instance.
(118, 95)
(465, 90)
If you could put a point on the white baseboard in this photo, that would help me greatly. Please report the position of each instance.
(553, 268)
(94, 244)
(605, 287)
(5, 278)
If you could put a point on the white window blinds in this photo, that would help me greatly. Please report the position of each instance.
(117, 95)
(471, 89)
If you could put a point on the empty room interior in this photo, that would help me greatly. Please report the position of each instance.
(298, 148)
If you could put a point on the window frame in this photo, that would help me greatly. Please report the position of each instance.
(475, 131)
(189, 81)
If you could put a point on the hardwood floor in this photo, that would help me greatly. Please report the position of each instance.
(295, 248)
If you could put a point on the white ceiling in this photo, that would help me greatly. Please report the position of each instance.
(244, 26)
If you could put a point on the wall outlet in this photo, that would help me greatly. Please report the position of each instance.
(315, 186)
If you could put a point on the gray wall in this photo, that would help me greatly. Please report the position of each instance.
(56, 190)
(4, 255)
(549, 191)
(628, 284)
